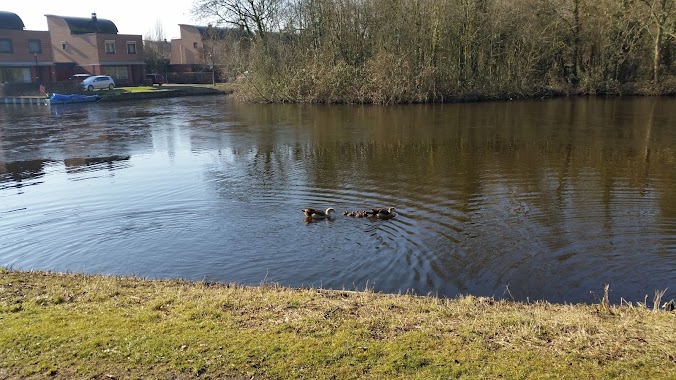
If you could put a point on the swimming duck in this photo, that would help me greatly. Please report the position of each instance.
(318, 214)
(383, 213)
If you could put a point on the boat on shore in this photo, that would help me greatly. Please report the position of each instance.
(73, 98)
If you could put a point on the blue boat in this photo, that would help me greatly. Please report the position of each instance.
(73, 98)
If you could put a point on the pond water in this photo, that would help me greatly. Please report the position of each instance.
(530, 200)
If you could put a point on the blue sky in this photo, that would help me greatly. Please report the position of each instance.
(130, 16)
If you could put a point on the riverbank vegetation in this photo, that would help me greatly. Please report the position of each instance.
(66, 326)
(386, 51)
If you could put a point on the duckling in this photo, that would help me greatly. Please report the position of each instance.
(356, 214)
(362, 214)
(383, 213)
(318, 214)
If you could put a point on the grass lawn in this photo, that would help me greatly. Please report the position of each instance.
(64, 326)
(226, 87)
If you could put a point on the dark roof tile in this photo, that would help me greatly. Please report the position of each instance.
(9, 20)
(82, 25)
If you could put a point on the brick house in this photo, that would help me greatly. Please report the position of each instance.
(206, 54)
(93, 46)
(202, 45)
(25, 55)
(187, 49)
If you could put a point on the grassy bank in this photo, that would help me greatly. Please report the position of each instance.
(66, 326)
(222, 87)
(167, 89)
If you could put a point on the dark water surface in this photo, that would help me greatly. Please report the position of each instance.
(532, 200)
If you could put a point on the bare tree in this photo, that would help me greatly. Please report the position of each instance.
(387, 51)
(662, 13)
(157, 33)
(257, 17)
(156, 49)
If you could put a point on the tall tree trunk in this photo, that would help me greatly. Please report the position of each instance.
(576, 39)
(661, 12)
(658, 53)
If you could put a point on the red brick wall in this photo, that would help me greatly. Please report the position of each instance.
(40, 64)
(121, 55)
(20, 52)
(80, 49)
(90, 48)
(88, 51)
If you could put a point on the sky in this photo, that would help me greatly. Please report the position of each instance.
(130, 16)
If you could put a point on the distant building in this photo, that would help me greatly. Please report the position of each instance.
(93, 46)
(25, 55)
(186, 50)
(202, 45)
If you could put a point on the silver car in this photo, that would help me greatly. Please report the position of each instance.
(98, 82)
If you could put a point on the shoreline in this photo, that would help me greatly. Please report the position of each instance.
(129, 93)
(65, 325)
(167, 91)
(181, 90)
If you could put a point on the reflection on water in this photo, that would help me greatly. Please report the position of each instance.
(549, 199)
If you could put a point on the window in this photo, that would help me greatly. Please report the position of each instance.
(34, 46)
(131, 47)
(117, 72)
(63, 45)
(110, 47)
(6, 45)
(194, 44)
(15, 75)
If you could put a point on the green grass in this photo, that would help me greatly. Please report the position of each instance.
(139, 89)
(226, 87)
(66, 326)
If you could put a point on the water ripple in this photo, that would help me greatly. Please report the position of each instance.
(525, 206)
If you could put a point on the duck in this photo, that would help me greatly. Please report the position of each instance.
(383, 213)
(318, 214)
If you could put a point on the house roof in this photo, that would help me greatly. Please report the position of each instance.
(209, 32)
(82, 25)
(9, 20)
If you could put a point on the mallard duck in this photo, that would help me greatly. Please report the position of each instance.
(318, 214)
(383, 213)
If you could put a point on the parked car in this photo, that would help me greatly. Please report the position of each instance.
(152, 79)
(98, 82)
(78, 78)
